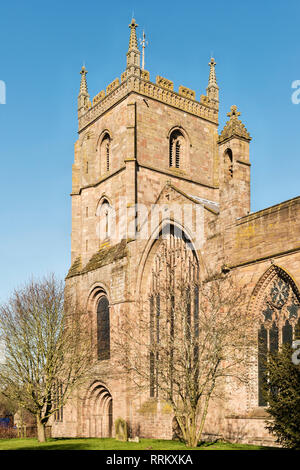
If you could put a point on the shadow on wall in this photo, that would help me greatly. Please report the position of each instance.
(234, 430)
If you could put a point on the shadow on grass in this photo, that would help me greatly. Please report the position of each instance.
(221, 445)
(70, 444)
(56, 447)
(53, 444)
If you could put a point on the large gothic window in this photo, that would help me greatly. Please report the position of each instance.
(103, 329)
(279, 305)
(176, 149)
(174, 276)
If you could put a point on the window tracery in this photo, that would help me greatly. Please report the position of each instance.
(174, 267)
(280, 314)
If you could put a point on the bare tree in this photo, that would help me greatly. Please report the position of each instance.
(185, 343)
(48, 350)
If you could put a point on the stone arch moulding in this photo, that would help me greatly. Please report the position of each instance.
(181, 129)
(227, 150)
(260, 287)
(97, 411)
(104, 152)
(153, 244)
(100, 325)
(102, 134)
(276, 301)
(179, 146)
(98, 290)
(103, 198)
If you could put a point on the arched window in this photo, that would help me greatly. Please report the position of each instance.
(103, 329)
(176, 149)
(279, 305)
(105, 153)
(105, 213)
(228, 165)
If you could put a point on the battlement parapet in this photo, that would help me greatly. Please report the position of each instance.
(162, 91)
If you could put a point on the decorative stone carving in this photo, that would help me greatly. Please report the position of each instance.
(98, 97)
(112, 86)
(205, 110)
(213, 89)
(145, 75)
(164, 83)
(205, 100)
(187, 92)
(279, 293)
(234, 127)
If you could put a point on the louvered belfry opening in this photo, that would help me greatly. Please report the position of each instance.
(176, 149)
(105, 153)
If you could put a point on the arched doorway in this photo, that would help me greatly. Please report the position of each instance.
(98, 412)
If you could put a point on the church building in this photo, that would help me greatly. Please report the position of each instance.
(142, 145)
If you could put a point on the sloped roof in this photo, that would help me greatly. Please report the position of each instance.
(102, 257)
(211, 205)
(234, 127)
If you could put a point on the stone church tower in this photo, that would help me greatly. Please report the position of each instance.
(149, 161)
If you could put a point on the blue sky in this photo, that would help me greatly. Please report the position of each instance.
(42, 47)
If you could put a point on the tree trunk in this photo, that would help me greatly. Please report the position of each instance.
(188, 426)
(192, 430)
(204, 414)
(41, 431)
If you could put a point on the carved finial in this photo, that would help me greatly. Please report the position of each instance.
(234, 113)
(83, 84)
(212, 72)
(133, 39)
(133, 54)
(234, 127)
(212, 90)
(83, 97)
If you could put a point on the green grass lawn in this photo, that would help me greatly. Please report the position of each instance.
(112, 444)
